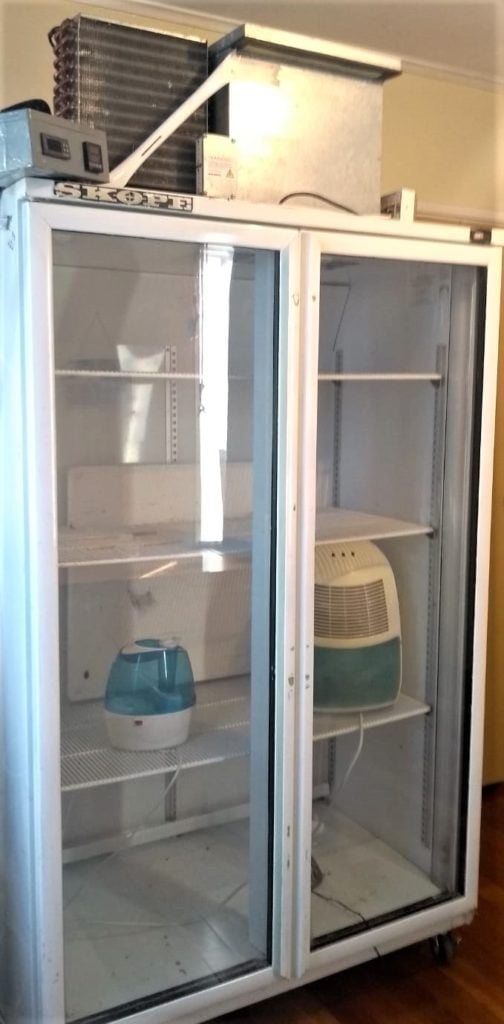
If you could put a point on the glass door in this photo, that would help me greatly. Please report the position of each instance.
(389, 609)
(166, 363)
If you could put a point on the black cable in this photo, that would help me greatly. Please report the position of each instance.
(317, 195)
(317, 875)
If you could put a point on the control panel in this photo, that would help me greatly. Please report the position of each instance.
(38, 145)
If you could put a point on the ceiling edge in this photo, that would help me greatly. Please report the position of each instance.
(459, 215)
(215, 26)
(449, 73)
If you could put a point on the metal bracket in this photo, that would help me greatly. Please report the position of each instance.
(219, 78)
(400, 205)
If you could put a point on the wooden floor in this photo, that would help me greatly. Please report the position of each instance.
(408, 987)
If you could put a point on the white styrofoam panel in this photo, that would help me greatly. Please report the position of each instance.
(136, 495)
(207, 613)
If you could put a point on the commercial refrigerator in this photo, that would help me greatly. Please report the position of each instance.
(249, 446)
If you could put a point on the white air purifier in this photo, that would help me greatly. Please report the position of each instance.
(357, 664)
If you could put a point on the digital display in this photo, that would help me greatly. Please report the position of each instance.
(54, 146)
(93, 157)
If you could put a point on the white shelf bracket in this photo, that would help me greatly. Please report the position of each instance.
(222, 76)
(400, 205)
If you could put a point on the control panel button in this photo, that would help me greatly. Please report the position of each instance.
(55, 146)
(93, 157)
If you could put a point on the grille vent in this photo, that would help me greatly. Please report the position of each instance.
(348, 613)
(126, 81)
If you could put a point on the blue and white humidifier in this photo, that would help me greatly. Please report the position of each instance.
(149, 697)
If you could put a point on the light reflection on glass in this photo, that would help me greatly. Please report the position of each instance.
(216, 264)
(138, 397)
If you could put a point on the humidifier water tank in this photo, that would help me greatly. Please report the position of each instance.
(357, 664)
(149, 696)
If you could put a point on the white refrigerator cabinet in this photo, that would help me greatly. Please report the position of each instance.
(258, 442)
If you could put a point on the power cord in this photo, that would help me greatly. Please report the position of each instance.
(321, 198)
(355, 757)
(129, 834)
(317, 875)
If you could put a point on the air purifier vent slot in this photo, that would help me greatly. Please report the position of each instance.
(349, 613)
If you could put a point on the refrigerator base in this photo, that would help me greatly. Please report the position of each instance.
(188, 917)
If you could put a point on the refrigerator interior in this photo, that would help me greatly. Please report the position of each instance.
(165, 506)
(397, 344)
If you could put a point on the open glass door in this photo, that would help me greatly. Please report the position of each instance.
(166, 359)
(390, 609)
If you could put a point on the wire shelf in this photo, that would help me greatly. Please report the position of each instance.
(221, 733)
(327, 725)
(340, 378)
(340, 524)
(152, 544)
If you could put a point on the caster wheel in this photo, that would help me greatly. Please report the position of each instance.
(443, 948)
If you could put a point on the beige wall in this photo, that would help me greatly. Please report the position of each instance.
(446, 140)
(25, 53)
(442, 138)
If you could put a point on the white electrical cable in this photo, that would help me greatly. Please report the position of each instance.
(316, 871)
(355, 757)
(129, 834)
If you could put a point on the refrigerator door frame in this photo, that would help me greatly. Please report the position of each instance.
(29, 467)
(414, 926)
(37, 753)
(319, 218)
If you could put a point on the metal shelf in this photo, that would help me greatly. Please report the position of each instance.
(80, 548)
(220, 732)
(340, 524)
(339, 378)
(126, 375)
(148, 544)
(148, 375)
(326, 726)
